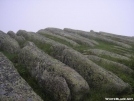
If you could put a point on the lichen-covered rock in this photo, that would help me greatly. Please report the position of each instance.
(36, 38)
(95, 35)
(44, 32)
(22, 33)
(37, 62)
(126, 52)
(80, 40)
(11, 34)
(74, 37)
(12, 86)
(55, 85)
(96, 76)
(56, 31)
(120, 38)
(20, 39)
(107, 53)
(120, 67)
(8, 44)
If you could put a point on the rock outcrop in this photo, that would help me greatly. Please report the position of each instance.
(74, 37)
(119, 66)
(44, 32)
(54, 77)
(12, 86)
(65, 65)
(95, 35)
(96, 76)
(19, 39)
(8, 44)
(107, 53)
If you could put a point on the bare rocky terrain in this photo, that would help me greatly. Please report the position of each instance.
(65, 65)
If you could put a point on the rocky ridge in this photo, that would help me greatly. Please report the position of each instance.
(68, 65)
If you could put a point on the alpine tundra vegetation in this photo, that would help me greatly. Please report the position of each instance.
(65, 65)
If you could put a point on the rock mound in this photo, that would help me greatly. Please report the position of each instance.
(96, 76)
(52, 61)
(45, 32)
(119, 66)
(8, 44)
(20, 39)
(12, 86)
(107, 53)
(95, 35)
(38, 62)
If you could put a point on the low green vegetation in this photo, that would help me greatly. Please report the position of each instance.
(44, 47)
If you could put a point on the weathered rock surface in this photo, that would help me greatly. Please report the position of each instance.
(96, 76)
(12, 86)
(8, 44)
(119, 66)
(20, 39)
(107, 53)
(76, 38)
(120, 38)
(71, 42)
(38, 63)
(126, 52)
(36, 38)
(69, 75)
(22, 33)
(95, 35)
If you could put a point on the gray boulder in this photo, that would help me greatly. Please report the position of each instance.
(8, 44)
(12, 86)
(101, 52)
(45, 32)
(20, 39)
(77, 38)
(120, 67)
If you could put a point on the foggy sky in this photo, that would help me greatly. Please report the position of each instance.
(113, 16)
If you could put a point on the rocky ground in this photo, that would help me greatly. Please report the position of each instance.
(65, 65)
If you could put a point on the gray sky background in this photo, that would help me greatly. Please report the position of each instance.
(114, 16)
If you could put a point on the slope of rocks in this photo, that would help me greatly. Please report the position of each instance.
(68, 65)
(63, 79)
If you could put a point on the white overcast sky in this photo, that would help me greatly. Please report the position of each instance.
(114, 16)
